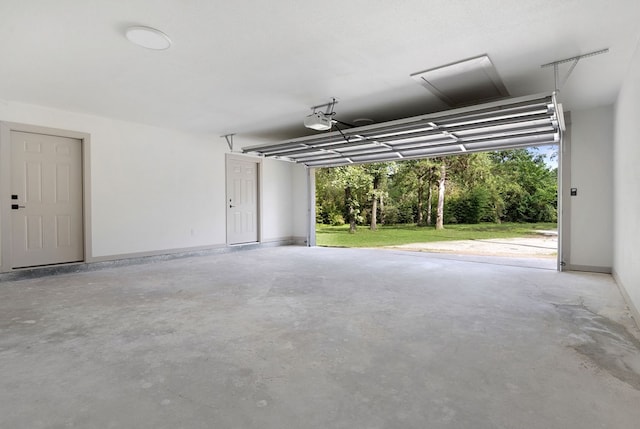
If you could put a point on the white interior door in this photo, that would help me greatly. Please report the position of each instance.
(46, 200)
(242, 201)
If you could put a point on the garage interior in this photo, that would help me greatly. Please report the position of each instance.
(163, 304)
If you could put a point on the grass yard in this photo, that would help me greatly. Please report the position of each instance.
(389, 235)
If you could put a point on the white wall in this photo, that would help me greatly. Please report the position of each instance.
(591, 220)
(156, 189)
(300, 203)
(626, 161)
(284, 202)
(277, 202)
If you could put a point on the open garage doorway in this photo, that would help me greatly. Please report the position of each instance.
(517, 123)
(501, 205)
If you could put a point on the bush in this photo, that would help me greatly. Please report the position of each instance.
(321, 216)
(406, 213)
(391, 215)
(336, 219)
(469, 207)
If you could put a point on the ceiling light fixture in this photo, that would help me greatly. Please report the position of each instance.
(148, 37)
(361, 122)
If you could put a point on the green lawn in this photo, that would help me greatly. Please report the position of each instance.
(338, 236)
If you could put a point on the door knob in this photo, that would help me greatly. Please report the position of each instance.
(16, 207)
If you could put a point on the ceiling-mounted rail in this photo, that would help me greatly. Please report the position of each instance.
(556, 70)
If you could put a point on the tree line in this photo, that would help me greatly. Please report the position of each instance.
(503, 186)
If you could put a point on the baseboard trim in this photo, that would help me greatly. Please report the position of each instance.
(137, 255)
(124, 260)
(299, 241)
(588, 268)
(278, 241)
(635, 311)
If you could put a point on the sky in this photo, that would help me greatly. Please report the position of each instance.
(550, 153)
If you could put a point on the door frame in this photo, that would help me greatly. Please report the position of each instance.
(258, 162)
(564, 195)
(6, 128)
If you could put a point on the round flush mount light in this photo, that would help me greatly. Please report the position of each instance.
(360, 122)
(148, 37)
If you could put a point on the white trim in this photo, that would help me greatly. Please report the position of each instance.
(311, 207)
(162, 252)
(5, 185)
(137, 258)
(564, 197)
(282, 241)
(588, 268)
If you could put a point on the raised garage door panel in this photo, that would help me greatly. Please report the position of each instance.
(510, 123)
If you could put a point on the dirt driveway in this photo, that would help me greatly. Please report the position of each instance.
(543, 245)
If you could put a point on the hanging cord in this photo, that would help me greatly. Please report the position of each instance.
(344, 123)
(332, 114)
(342, 134)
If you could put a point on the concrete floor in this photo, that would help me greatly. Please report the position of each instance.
(297, 337)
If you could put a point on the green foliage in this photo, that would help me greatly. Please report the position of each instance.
(336, 219)
(412, 182)
(392, 215)
(505, 186)
(329, 198)
(342, 191)
(527, 187)
(471, 206)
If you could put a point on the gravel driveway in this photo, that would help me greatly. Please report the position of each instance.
(544, 245)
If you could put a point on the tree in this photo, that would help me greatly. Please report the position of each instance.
(513, 185)
(356, 183)
(441, 189)
(429, 204)
(329, 198)
(473, 194)
(528, 188)
(379, 172)
(417, 178)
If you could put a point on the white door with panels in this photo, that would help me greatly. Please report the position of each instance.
(46, 200)
(242, 201)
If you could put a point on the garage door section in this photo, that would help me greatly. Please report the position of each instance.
(510, 123)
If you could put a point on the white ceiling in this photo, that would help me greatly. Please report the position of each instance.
(255, 68)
